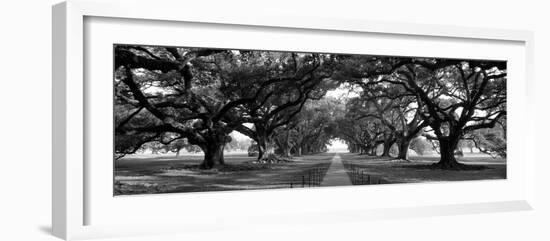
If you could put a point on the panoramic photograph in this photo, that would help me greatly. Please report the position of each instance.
(190, 119)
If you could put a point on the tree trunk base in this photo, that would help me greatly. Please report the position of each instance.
(399, 160)
(271, 159)
(456, 166)
(205, 166)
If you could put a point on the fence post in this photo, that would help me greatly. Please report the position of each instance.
(303, 181)
(318, 177)
(314, 177)
(309, 178)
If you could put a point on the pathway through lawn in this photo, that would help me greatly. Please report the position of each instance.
(336, 174)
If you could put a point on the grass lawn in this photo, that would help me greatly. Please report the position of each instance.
(150, 174)
(143, 174)
(385, 170)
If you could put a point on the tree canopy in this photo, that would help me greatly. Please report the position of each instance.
(181, 97)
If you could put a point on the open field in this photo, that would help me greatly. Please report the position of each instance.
(167, 174)
(417, 170)
(170, 174)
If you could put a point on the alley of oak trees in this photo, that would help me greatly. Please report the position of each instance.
(195, 97)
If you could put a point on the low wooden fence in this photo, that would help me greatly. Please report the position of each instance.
(359, 176)
(311, 178)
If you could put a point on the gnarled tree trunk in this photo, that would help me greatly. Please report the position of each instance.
(285, 146)
(261, 149)
(266, 149)
(213, 154)
(387, 147)
(404, 149)
(269, 151)
(213, 150)
(286, 151)
(447, 147)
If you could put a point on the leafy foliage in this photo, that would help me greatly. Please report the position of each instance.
(188, 98)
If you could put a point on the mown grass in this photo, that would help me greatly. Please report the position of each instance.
(170, 174)
(418, 169)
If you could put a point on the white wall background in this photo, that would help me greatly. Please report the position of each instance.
(25, 120)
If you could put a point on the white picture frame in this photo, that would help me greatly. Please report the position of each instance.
(72, 190)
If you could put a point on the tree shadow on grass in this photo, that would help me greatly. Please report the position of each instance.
(222, 168)
(174, 177)
(460, 167)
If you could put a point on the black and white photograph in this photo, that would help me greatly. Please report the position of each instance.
(191, 119)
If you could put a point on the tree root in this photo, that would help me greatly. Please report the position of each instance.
(271, 159)
(457, 166)
(399, 160)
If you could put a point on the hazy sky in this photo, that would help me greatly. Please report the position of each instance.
(337, 146)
